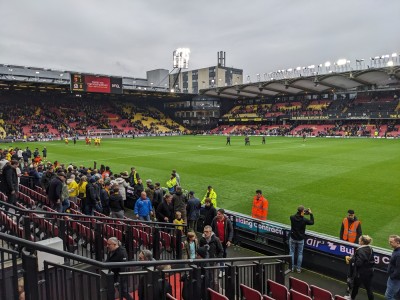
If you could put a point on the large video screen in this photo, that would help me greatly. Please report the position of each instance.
(96, 84)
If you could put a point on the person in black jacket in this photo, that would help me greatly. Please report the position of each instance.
(208, 212)
(91, 196)
(47, 177)
(117, 253)
(362, 267)
(55, 190)
(165, 210)
(158, 195)
(116, 203)
(297, 234)
(9, 181)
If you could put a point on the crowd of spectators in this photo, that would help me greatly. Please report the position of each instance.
(72, 117)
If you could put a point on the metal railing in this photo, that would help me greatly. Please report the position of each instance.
(91, 279)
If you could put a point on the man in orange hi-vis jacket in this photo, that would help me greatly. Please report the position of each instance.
(260, 207)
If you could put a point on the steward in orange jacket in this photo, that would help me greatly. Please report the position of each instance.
(260, 207)
(351, 228)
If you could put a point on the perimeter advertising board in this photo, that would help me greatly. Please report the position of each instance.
(317, 242)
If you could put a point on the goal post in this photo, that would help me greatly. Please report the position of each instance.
(100, 133)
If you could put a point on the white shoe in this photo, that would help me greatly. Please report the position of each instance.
(221, 274)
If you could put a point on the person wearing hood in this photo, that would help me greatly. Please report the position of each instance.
(123, 185)
(179, 200)
(351, 228)
(298, 234)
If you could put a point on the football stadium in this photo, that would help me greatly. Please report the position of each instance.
(202, 183)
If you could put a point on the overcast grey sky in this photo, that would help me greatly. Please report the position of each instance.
(128, 37)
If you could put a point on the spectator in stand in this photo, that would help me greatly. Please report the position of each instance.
(351, 228)
(105, 197)
(47, 177)
(123, 185)
(393, 282)
(143, 208)
(193, 211)
(211, 194)
(215, 250)
(179, 200)
(208, 212)
(138, 189)
(297, 235)
(158, 195)
(223, 229)
(73, 189)
(260, 207)
(82, 192)
(117, 253)
(190, 246)
(55, 191)
(178, 221)
(9, 181)
(116, 203)
(150, 190)
(165, 210)
(91, 196)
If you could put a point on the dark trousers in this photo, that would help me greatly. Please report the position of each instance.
(364, 278)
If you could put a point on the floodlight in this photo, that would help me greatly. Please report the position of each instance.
(341, 62)
(390, 63)
(394, 54)
(298, 68)
(328, 64)
(290, 70)
(181, 58)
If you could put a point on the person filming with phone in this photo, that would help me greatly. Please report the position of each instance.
(297, 235)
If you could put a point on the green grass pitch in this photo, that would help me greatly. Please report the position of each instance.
(328, 175)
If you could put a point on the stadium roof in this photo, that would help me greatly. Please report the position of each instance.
(374, 78)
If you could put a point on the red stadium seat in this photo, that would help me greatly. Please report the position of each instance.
(299, 286)
(265, 297)
(213, 295)
(337, 297)
(294, 295)
(249, 293)
(318, 293)
(277, 290)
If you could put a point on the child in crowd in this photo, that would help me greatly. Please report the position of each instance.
(178, 220)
